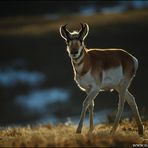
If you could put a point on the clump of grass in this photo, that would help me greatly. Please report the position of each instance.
(63, 135)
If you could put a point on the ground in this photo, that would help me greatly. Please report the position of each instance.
(63, 135)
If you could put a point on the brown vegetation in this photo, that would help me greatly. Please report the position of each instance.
(63, 135)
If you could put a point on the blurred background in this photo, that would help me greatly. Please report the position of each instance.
(36, 76)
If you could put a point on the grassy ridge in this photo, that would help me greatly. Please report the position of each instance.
(63, 135)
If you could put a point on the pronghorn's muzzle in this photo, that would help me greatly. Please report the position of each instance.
(74, 51)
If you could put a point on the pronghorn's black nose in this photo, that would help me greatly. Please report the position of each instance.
(74, 51)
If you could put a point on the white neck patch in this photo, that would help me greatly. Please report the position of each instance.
(77, 55)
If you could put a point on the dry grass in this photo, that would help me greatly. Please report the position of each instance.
(63, 135)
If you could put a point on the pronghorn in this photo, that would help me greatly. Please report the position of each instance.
(101, 69)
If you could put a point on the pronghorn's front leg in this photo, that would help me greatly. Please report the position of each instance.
(91, 123)
(87, 102)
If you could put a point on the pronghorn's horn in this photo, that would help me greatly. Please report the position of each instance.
(64, 27)
(82, 26)
(64, 32)
(83, 31)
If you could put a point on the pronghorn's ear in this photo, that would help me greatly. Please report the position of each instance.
(84, 31)
(64, 32)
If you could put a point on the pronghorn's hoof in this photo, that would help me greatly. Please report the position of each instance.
(90, 132)
(112, 132)
(78, 131)
(141, 130)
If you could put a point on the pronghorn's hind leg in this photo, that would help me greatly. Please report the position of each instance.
(131, 101)
(124, 95)
(121, 89)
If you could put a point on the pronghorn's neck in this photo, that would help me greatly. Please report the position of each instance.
(78, 63)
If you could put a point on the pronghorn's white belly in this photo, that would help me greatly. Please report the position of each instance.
(86, 82)
(111, 78)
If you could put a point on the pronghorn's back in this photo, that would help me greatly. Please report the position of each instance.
(112, 58)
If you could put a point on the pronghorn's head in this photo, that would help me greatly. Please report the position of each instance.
(75, 39)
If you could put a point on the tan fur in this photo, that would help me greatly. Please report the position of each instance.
(97, 60)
